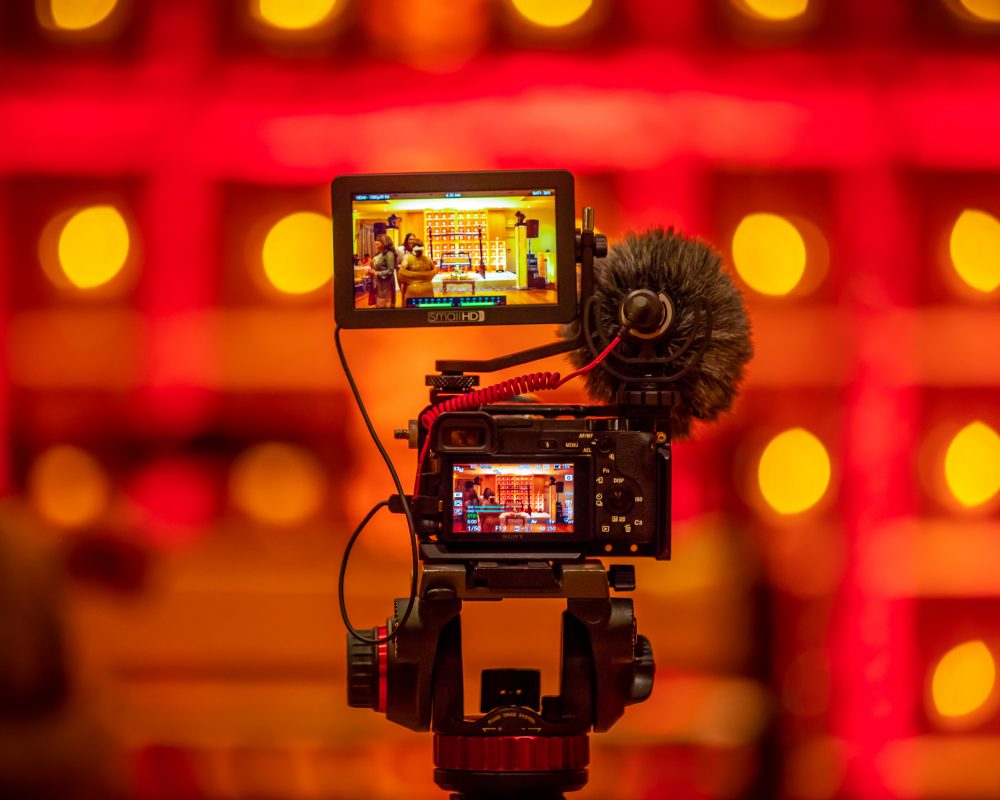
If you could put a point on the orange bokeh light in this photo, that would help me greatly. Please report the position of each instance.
(972, 464)
(773, 10)
(68, 487)
(278, 484)
(74, 15)
(794, 471)
(769, 253)
(974, 246)
(979, 10)
(92, 247)
(963, 680)
(552, 13)
(293, 15)
(297, 253)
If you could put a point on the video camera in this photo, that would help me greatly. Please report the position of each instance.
(518, 499)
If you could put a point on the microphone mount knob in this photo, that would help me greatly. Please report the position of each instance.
(642, 308)
(647, 313)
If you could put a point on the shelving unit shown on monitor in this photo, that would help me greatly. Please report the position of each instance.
(514, 491)
(452, 233)
(496, 255)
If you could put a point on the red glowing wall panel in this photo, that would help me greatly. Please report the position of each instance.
(203, 642)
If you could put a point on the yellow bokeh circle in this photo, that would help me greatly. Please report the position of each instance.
(68, 487)
(78, 15)
(552, 13)
(987, 10)
(963, 679)
(974, 246)
(769, 253)
(278, 484)
(972, 464)
(93, 246)
(794, 471)
(298, 252)
(295, 15)
(775, 10)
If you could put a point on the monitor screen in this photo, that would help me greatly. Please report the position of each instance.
(454, 248)
(513, 499)
(457, 249)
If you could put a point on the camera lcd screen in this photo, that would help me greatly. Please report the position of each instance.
(501, 499)
(454, 248)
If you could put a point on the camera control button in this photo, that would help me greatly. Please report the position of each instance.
(620, 499)
(547, 444)
(603, 445)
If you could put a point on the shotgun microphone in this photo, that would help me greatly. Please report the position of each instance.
(686, 330)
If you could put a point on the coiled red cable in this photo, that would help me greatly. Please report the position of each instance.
(498, 392)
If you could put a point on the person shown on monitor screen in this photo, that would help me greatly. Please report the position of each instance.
(406, 247)
(383, 272)
(416, 273)
(471, 502)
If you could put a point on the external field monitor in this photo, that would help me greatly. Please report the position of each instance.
(468, 248)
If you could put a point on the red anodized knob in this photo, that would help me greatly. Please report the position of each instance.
(511, 753)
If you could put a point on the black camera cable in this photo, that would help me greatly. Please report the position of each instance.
(503, 390)
(375, 509)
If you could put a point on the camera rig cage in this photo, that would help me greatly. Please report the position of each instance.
(410, 668)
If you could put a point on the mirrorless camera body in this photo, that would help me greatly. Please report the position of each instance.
(557, 483)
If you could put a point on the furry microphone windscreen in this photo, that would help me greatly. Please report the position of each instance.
(690, 273)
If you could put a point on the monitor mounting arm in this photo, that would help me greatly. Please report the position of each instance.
(588, 246)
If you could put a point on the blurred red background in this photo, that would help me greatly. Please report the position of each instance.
(182, 462)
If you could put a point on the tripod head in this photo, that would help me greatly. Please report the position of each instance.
(521, 742)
